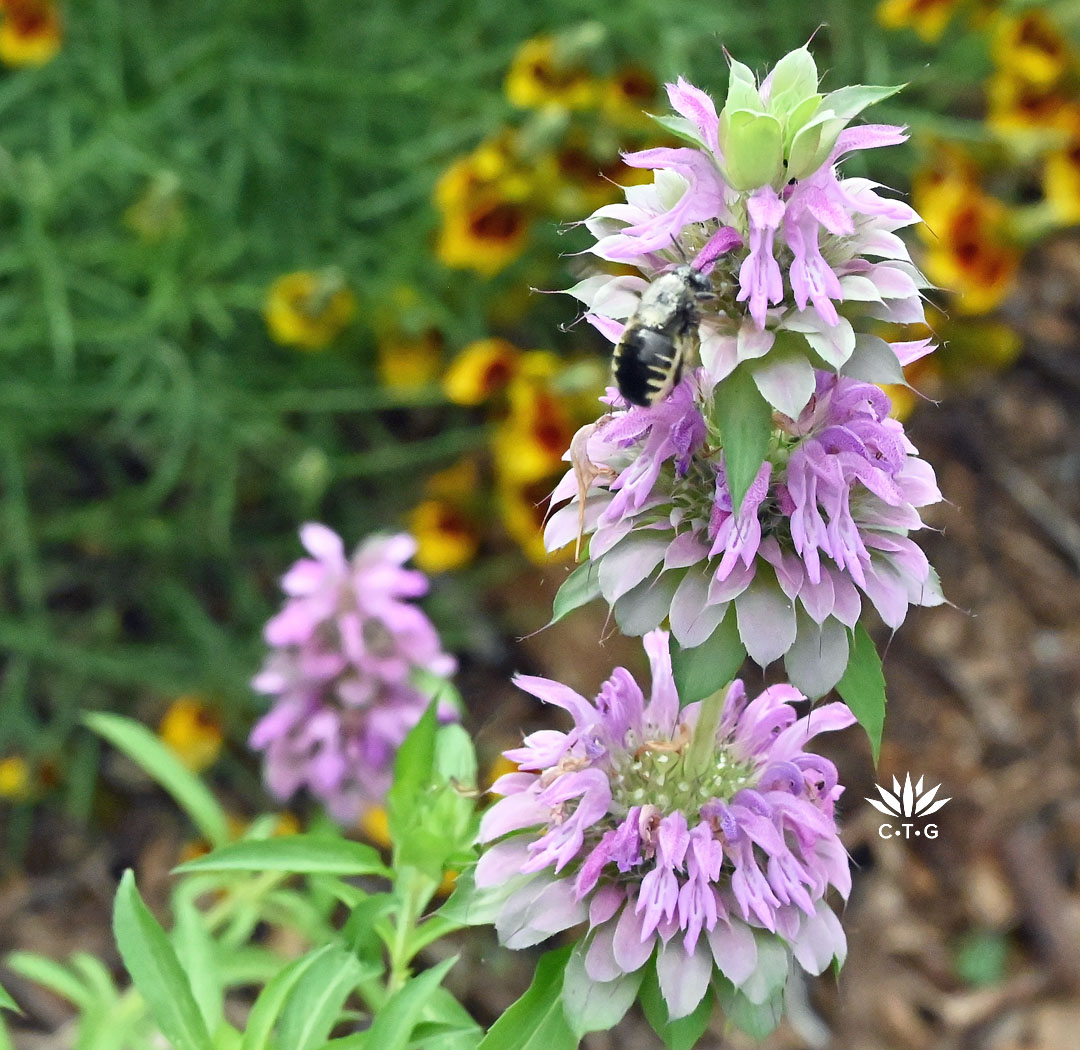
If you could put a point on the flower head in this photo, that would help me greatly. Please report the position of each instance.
(308, 309)
(192, 729)
(827, 517)
(485, 201)
(757, 202)
(347, 649)
(703, 836)
(30, 32)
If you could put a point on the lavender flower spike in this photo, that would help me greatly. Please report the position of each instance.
(694, 840)
(758, 200)
(825, 524)
(347, 650)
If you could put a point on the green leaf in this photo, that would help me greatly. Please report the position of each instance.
(155, 969)
(578, 589)
(455, 755)
(595, 1006)
(197, 953)
(428, 1036)
(793, 79)
(469, 906)
(315, 1002)
(536, 1021)
(52, 975)
(271, 1000)
(681, 1034)
(296, 854)
(6, 1002)
(742, 90)
(359, 930)
(850, 101)
(158, 762)
(394, 1023)
(700, 671)
(744, 419)
(412, 775)
(681, 128)
(753, 149)
(874, 361)
(5, 1037)
(757, 1020)
(863, 687)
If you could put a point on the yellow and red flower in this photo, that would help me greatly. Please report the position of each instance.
(192, 730)
(545, 72)
(308, 309)
(928, 18)
(30, 32)
(969, 248)
(482, 369)
(1030, 47)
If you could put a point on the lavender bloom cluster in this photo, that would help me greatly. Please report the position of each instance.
(825, 522)
(703, 837)
(797, 258)
(794, 252)
(346, 650)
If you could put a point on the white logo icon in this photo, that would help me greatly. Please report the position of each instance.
(907, 802)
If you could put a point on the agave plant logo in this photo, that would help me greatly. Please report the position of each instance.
(908, 802)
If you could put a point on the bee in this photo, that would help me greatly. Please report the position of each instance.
(649, 358)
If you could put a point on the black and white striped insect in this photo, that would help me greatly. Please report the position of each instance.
(662, 334)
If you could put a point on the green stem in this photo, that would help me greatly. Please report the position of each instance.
(415, 891)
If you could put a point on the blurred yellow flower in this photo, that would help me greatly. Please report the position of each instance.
(540, 76)
(30, 33)
(484, 200)
(192, 730)
(626, 97)
(375, 825)
(409, 362)
(969, 250)
(929, 18)
(446, 539)
(584, 179)
(1061, 177)
(482, 369)
(529, 442)
(523, 510)
(1030, 47)
(485, 235)
(1015, 104)
(308, 308)
(14, 778)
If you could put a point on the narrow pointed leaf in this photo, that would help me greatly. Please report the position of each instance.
(394, 1023)
(296, 854)
(536, 1021)
(156, 971)
(700, 671)
(744, 419)
(267, 1009)
(578, 589)
(158, 762)
(863, 687)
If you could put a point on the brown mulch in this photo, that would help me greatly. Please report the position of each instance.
(984, 699)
